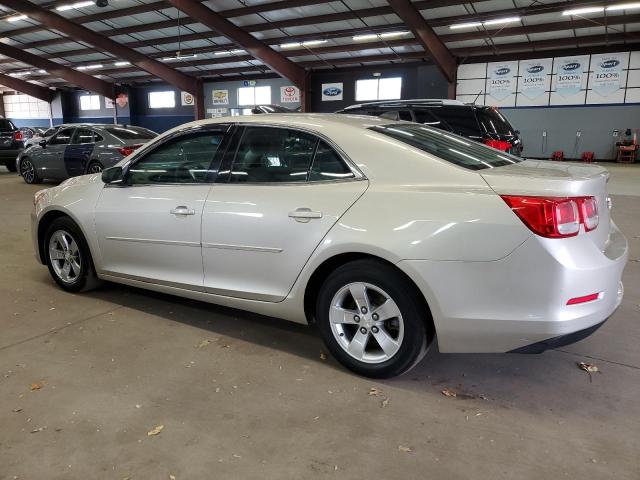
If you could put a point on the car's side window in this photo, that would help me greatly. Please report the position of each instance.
(82, 136)
(63, 137)
(97, 137)
(268, 154)
(188, 158)
(328, 165)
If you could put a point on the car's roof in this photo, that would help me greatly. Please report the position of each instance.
(424, 102)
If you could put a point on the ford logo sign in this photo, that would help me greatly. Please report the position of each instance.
(332, 91)
(535, 69)
(503, 71)
(610, 64)
(571, 66)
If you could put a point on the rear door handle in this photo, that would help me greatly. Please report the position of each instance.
(304, 214)
(182, 210)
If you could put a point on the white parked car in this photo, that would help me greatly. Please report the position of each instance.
(384, 233)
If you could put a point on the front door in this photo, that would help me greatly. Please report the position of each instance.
(284, 191)
(149, 228)
(50, 159)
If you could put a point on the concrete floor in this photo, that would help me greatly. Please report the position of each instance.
(246, 397)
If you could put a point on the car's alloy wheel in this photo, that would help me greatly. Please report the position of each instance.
(372, 318)
(366, 322)
(64, 255)
(28, 171)
(95, 167)
(68, 257)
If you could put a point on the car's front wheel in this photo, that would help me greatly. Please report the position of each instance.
(28, 171)
(68, 257)
(372, 320)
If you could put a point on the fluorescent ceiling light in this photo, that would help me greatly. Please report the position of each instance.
(392, 34)
(368, 36)
(308, 43)
(62, 8)
(19, 74)
(180, 57)
(90, 67)
(121, 64)
(290, 45)
(42, 72)
(581, 11)
(375, 36)
(623, 6)
(465, 25)
(16, 18)
(499, 21)
(230, 52)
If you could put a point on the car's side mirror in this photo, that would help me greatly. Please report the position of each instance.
(42, 143)
(113, 175)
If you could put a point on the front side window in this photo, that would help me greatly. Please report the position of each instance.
(328, 165)
(188, 158)
(451, 148)
(89, 102)
(254, 95)
(378, 89)
(162, 99)
(82, 136)
(62, 138)
(268, 155)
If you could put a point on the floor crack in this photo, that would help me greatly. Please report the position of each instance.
(598, 359)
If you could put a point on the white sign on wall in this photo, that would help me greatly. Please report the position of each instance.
(569, 74)
(220, 97)
(501, 80)
(534, 77)
(186, 99)
(108, 102)
(289, 94)
(332, 92)
(607, 71)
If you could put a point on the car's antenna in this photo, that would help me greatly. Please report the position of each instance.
(476, 99)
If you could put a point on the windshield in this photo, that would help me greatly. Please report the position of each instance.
(131, 133)
(448, 147)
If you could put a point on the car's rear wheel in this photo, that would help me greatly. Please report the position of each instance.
(68, 257)
(372, 320)
(95, 167)
(28, 171)
(11, 165)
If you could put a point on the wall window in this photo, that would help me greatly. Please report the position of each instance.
(89, 102)
(162, 99)
(254, 95)
(24, 106)
(378, 89)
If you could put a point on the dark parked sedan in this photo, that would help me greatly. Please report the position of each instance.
(80, 149)
(10, 143)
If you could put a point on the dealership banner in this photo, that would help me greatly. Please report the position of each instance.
(502, 79)
(607, 72)
(569, 75)
(332, 92)
(533, 79)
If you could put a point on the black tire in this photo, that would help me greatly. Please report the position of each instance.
(28, 171)
(83, 280)
(413, 316)
(11, 165)
(94, 167)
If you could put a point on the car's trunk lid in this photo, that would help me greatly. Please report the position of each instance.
(544, 178)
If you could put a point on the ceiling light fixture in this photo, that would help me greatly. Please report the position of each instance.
(42, 72)
(290, 45)
(499, 21)
(121, 64)
(465, 25)
(19, 74)
(375, 36)
(90, 67)
(623, 6)
(582, 11)
(62, 8)
(230, 52)
(16, 18)
(177, 56)
(308, 43)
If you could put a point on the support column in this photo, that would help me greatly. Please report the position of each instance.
(199, 100)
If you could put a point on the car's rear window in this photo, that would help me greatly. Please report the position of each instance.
(492, 121)
(451, 148)
(6, 124)
(457, 119)
(131, 133)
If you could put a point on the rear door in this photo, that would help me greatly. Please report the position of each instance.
(77, 154)
(282, 190)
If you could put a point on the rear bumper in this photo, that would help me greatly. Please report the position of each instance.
(557, 342)
(9, 155)
(521, 300)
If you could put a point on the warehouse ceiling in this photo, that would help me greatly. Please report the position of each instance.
(315, 34)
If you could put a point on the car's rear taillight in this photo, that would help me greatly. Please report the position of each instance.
(128, 150)
(498, 144)
(18, 136)
(554, 217)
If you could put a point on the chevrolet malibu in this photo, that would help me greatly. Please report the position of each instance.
(386, 234)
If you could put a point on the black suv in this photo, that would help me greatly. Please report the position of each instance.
(10, 143)
(482, 124)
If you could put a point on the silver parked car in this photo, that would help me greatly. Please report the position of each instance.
(384, 233)
(79, 149)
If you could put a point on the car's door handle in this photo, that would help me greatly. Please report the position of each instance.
(182, 210)
(304, 214)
